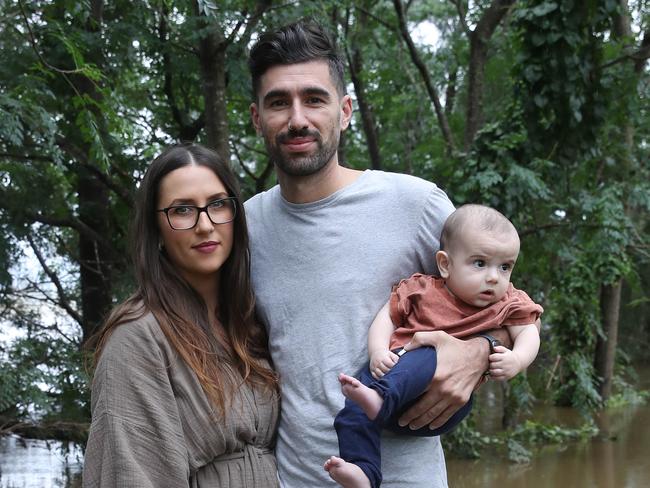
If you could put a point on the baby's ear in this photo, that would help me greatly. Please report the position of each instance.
(442, 260)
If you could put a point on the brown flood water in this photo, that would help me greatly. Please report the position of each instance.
(617, 458)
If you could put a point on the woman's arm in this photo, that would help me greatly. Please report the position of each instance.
(136, 439)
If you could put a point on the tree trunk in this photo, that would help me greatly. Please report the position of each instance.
(610, 303)
(479, 40)
(610, 296)
(450, 92)
(355, 62)
(212, 57)
(93, 200)
(610, 299)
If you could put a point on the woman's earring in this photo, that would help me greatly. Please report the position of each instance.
(160, 246)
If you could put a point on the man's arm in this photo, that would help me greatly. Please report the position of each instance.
(505, 363)
(460, 367)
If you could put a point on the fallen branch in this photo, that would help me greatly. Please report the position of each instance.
(54, 430)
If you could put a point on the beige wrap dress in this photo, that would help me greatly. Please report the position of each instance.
(153, 426)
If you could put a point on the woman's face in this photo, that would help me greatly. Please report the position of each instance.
(199, 252)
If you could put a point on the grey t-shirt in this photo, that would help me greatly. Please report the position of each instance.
(321, 271)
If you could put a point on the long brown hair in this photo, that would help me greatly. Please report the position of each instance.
(180, 311)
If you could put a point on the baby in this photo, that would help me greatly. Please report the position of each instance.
(478, 251)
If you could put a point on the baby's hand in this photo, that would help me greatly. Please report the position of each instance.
(381, 362)
(504, 364)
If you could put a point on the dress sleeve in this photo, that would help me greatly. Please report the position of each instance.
(136, 438)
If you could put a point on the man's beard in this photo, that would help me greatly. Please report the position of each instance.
(297, 165)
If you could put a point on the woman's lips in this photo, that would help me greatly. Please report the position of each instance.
(206, 247)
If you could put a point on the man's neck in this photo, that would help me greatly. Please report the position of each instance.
(307, 189)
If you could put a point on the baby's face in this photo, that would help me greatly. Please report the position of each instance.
(480, 265)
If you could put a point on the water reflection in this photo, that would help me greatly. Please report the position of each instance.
(26, 463)
(618, 458)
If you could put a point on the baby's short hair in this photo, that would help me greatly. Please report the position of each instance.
(480, 217)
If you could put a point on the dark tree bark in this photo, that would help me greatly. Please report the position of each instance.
(610, 304)
(188, 129)
(212, 58)
(213, 51)
(93, 199)
(479, 40)
(450, 92)
(355, 63)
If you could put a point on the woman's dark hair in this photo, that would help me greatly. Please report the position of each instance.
(299, 42)
(180, 311)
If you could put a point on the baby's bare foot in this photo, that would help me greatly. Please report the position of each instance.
(346, 474)
(368, 399)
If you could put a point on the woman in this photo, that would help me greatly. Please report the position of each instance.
(183, 394)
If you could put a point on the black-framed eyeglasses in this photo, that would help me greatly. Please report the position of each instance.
(183, 217)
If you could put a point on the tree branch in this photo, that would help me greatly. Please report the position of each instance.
(462, 16)
(433, 94)
(640, 56)
(120, 191)
(63, 301)
(375, 18)
(71, 222)
(32, 41)
(188, 130)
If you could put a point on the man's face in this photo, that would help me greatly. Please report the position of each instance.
(300, 115)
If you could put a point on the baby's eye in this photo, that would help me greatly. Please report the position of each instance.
(505, 267)
(479, 263)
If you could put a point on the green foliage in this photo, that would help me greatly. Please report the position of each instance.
(628, 397)
(96, 103)
(465, 441)
(44, 377)
(534, 433)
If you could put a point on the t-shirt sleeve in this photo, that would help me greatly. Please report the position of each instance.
(136, 438)
(404, 296)
(434, 213)
(522, 310)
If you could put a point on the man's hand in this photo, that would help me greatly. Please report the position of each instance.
(460, 367)
(381, 362)
(504, 364)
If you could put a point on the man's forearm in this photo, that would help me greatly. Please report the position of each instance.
(480, 359)
(501, 334)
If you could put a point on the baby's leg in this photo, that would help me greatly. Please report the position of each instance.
(368, 399)
(359, 441)
(346, 474)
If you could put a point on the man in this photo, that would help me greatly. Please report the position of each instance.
(327, 245)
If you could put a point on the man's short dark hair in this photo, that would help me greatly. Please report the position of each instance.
(300, 42)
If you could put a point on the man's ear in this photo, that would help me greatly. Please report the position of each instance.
(255, 117)
(442, 260)
(346, 111)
